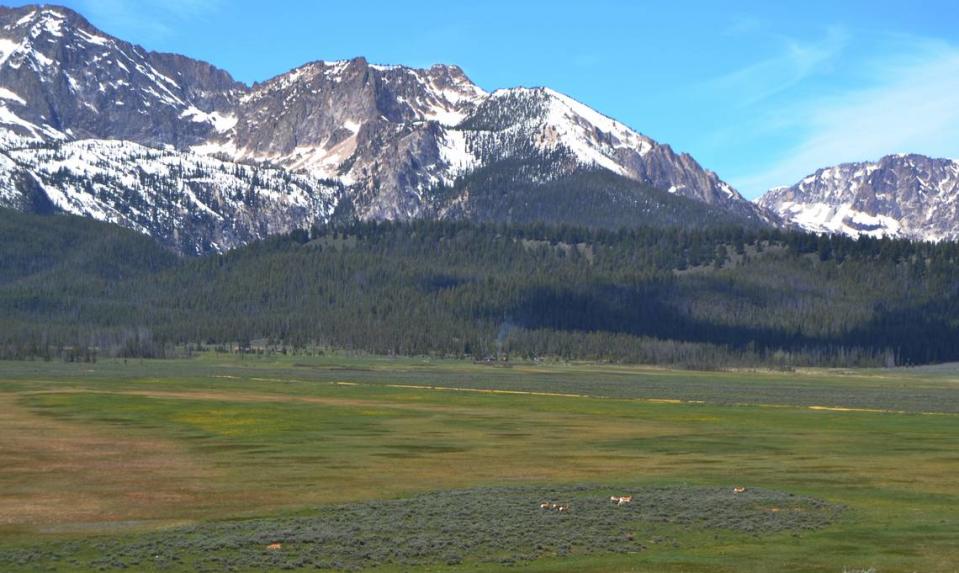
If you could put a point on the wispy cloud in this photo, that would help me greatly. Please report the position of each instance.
(794, 62)
(911, 105)
(743, 24)
(149, 19)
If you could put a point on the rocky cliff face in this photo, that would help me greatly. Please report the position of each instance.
(909, 196)
(62, 78)
(382, 138)
(379, 130)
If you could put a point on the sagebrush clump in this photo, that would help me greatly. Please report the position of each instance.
(495, 525)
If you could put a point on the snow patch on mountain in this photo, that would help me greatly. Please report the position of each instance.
(838, 219)
(591, 136)
(11, 96)
(199, 203)
(455, 153)
(20, 131)
(221, 122)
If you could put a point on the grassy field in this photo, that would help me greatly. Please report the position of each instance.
(413, 464)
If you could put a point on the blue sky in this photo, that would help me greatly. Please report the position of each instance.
(761, 92)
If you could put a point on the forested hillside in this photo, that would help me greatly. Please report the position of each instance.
(65, 247)
(527, 191)
(714, 298)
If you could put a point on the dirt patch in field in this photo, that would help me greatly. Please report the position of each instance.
(56, 472)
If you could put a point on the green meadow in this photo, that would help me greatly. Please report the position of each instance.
(340, 462)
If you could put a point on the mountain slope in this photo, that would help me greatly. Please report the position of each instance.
(520, 122)
(38, 247)
(190, 202)
(909, 196)
(93, 125)
(525, 191)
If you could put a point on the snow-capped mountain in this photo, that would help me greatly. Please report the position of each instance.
(391, 133)
(93, 125)
(910, 196)
(383, 131)
(515, 121)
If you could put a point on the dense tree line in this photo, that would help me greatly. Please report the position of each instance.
(724, 296)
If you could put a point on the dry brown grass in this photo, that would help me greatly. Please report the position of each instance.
(57, 472)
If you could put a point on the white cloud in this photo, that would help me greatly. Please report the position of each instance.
(912, 106)
(794, 62)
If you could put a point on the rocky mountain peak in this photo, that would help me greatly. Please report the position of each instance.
(905, 195)
(48, 19)
(64, 79)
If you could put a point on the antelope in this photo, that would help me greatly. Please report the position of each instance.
(622, 499)
(554, 506)
(739, 489)
(275, 546)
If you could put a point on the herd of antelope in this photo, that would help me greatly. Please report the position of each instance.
(617, 499)
(564, 507)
